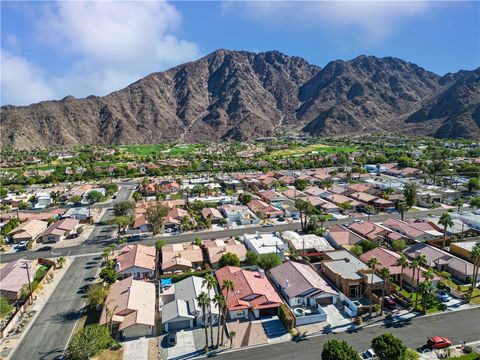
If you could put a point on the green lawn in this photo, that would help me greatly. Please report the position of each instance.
(324, 149)
(466, 357)
(432, 306)
(150, 149)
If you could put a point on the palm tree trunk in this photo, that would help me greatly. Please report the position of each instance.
(205, 327)
(211, 325)
(444, 236)
(416, 288)
(401, 279)
(219, 326)
(371, 296)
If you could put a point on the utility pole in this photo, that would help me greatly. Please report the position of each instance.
(27, 267)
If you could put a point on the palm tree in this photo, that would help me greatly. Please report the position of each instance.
(372, 265)
(386, 276)
(446, 221)
(229, 287)
(403, 263)
(428, 275)
(204, 301)
(210, 282)
(475, 256)
(427, 291)
(402, 207)
(458, 203)
(420, 260)
(61, 261)
(232, 335)
(220, 302)
(369, 209)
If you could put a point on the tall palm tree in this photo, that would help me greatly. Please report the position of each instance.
(427, 291)
(372, 265)
(403, 263)
(420, 261)
(446, 221)
(386, 276)
(220, 302)
(229, 287)
(402, 207)
(458, 203)
(210, 282)
(475, 256)
(204, 301)
(232, 336)
(428, 275)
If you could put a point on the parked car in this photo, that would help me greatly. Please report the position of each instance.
(172, 339)
(443, 296)
(281, 219)
(295, 217)
(45, 248)
(22, 245)
(369, 354)
(389, 303)
(438, 342)
(267, 225)
(73, 236)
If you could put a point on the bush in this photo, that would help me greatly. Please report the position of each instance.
(339, 350)
(269, 261)
(88, 342)
(251, 258)
(229, 259)
(388, 347)
(5, 307)
(179, 277)
(286, 317)
(399, 245)
(117, 345)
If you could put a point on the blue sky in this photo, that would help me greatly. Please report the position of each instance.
(53, 49)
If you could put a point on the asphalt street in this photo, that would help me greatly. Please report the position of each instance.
(101, 235)
(50, 332)
(457, 326)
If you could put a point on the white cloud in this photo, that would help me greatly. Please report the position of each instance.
(22, 82)
(112, 43)
(373, 20)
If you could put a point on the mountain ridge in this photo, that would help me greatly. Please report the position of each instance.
(243, 95)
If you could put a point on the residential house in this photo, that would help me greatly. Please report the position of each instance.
(213, 214)
(363, 197)
(133, 305)
(307, 244)
(180, 308)
(339, 237)
(239, 214)
(59, 230)
(350, 275)
(301, 285)
(441, 260)
(83, 214)
(13, 277)
(138, 261)
(215, 249)
(370, 230)
(261, 207)
(388, 259)
(420, 231)
(264, 243)
(29, 230)
(270, 196)
(462, 249)
(339, 200)
(253, 293)
(381, 204)
(294, 194)
(181, 257)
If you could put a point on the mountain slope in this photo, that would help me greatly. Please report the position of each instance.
(242, 95)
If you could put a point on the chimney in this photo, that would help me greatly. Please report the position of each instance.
(286, 284)
(261, 273)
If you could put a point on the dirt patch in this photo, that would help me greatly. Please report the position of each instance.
(110, 355)
(153, 349)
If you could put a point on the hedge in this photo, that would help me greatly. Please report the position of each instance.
(286, 317)
(179, 277)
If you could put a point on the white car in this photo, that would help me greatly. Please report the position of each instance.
(369, 354)
(22, 245)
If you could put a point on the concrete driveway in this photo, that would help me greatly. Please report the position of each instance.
(135, 349)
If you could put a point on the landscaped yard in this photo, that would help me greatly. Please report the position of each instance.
(466, 357)
(320, 148)
(150, 149)
(432, 306)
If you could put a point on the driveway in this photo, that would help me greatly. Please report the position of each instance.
(188, 343)
(135, 349)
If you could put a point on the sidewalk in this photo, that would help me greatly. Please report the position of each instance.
(8, 344)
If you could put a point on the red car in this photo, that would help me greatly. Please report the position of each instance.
(438, 342)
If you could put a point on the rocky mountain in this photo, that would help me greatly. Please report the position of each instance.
(243, 95)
